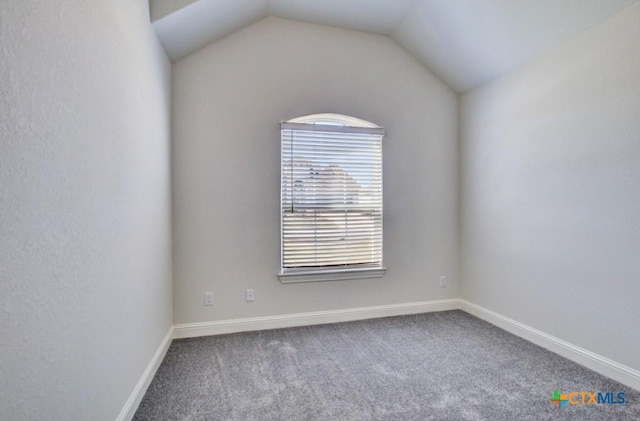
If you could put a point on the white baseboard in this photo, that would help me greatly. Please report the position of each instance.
(191, 330)
(618, 372)
(129, 409)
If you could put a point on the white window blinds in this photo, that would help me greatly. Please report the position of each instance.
(331, 197)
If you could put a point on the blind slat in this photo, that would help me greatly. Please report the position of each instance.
(318, 128)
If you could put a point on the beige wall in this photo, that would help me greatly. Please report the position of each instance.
(85, 237)
(550, 211)
(229, 99)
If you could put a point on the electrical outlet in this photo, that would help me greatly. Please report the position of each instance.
(208, 298)
(249, 295)
(443, 282)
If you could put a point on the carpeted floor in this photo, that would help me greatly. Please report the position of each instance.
(435, 366)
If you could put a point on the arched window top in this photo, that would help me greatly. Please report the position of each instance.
(331, 119)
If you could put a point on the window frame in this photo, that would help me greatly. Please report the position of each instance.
(342, 124)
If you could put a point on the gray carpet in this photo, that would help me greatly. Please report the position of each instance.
(436, 366)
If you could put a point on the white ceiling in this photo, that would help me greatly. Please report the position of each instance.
(464, 42)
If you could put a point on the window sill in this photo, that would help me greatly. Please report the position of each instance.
(335, 275)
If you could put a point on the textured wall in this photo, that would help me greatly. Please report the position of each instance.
(551, 192)
(229, 99)
(85, 245)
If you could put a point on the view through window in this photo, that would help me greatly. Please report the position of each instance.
(331, 195)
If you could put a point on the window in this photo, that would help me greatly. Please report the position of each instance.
(331, 198)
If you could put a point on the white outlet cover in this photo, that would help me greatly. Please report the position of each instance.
(249, 295)
(208, 298)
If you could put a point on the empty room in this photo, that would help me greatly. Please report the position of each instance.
(257, 210)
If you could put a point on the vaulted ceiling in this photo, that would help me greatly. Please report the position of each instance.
(464, 42)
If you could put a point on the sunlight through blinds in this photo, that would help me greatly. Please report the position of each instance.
(331, 197)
